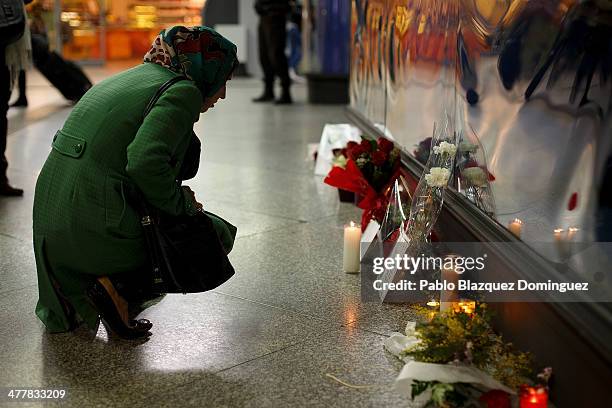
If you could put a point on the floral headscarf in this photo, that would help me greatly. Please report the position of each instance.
(199, 53)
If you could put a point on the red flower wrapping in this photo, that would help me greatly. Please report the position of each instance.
(373, 203)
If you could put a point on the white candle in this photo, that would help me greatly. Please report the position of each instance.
(352, 239)
(563, 240)
(448, 297)
(559, 235)
(516, 227)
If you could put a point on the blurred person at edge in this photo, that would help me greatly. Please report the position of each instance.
(15, 56)
(39, 33)
(272, 36)
(88, 239)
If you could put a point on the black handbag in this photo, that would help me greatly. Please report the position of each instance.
(185, 252)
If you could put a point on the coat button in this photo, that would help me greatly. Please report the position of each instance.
(78, 148)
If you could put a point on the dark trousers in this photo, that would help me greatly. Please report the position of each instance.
(22, 84)
(272, 41)
(5, 94)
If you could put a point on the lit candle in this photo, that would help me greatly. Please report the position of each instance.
(449, 274)
(352, 239)
(559, 236)
(465, 306)
(533, 397)
(516, 227)
(571, 233)
(433, 303)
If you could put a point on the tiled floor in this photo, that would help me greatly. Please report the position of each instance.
(269, 336)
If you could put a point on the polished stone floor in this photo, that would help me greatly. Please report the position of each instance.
(267, 338)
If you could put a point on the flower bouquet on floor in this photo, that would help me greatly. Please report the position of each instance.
(456, 359)
(429, 194)
(367, 169)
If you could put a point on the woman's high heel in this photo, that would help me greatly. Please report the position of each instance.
(113, 311)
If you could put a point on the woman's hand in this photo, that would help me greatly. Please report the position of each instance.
(196, 203)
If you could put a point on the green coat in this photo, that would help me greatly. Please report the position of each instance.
(83, 226)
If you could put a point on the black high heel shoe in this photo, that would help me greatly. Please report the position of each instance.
(107, 302)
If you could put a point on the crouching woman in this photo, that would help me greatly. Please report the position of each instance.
(130, 133)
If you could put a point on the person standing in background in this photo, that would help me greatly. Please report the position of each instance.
(37, 29)
(294, 39)
(15, 56)
(272, 42)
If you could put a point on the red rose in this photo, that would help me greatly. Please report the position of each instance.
(385, 145)
(355, 152)
(367, 145)
(496, 399)
(351, 145)
(379, 158)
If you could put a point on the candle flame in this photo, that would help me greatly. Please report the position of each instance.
(558, 230)
(517, 221)
(573, 229)
(433, 303)
(352, 224)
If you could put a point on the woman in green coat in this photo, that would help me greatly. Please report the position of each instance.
(85, 231)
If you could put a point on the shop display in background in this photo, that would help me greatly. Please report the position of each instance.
(81, 30)
(125, 31)
(164, 13)
(132, 24)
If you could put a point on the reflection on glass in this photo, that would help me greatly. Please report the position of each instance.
(531, 85)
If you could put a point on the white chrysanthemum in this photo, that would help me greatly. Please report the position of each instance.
(475, 176)
(445, 148)
(437, 177)
(467, 147)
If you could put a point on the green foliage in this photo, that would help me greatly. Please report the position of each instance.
(443, 395)
(469, 339)
(419, 387)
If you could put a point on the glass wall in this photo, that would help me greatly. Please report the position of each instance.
(527, 86)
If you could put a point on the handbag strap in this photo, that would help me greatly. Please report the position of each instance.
(135, 195)
(165, 86)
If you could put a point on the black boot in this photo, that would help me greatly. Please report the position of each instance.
(285, 98)
(7, 191)
(267, 96)
(21, 102)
